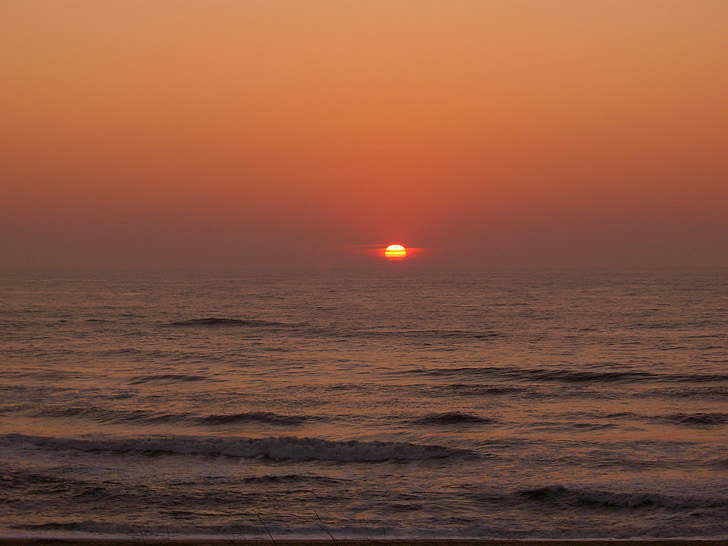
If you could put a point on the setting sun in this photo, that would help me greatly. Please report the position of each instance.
(395, 252)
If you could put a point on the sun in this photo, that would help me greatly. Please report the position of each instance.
(395, 252)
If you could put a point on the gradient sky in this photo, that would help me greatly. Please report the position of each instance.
(248, 134)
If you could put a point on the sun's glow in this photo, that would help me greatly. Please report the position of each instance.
(395, 252)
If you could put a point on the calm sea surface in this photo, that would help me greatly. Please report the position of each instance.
(364, 406)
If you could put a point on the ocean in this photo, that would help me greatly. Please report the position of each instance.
(390, 404)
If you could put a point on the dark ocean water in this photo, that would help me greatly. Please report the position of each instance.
(365, 406)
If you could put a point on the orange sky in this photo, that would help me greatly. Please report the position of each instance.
(291, 134)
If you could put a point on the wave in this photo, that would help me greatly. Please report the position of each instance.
(582, 426)
(264, 417)
(463, 389)
(274, 448)
(425, 334)
(720, 463)
(538, 374)
(452, 418)
(167, 378)
(698, 377)
(81, 526)
(566, 497)
(564, 375)
(290, 478)
(148, 417)
(695, 419)
(110, 416)
(711, 392)
(222, 321)
(331, 331)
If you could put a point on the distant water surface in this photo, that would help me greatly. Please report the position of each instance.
(367, 406)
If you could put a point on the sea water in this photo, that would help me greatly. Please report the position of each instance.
(370, 406)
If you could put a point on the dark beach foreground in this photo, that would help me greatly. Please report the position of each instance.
(424, 542)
